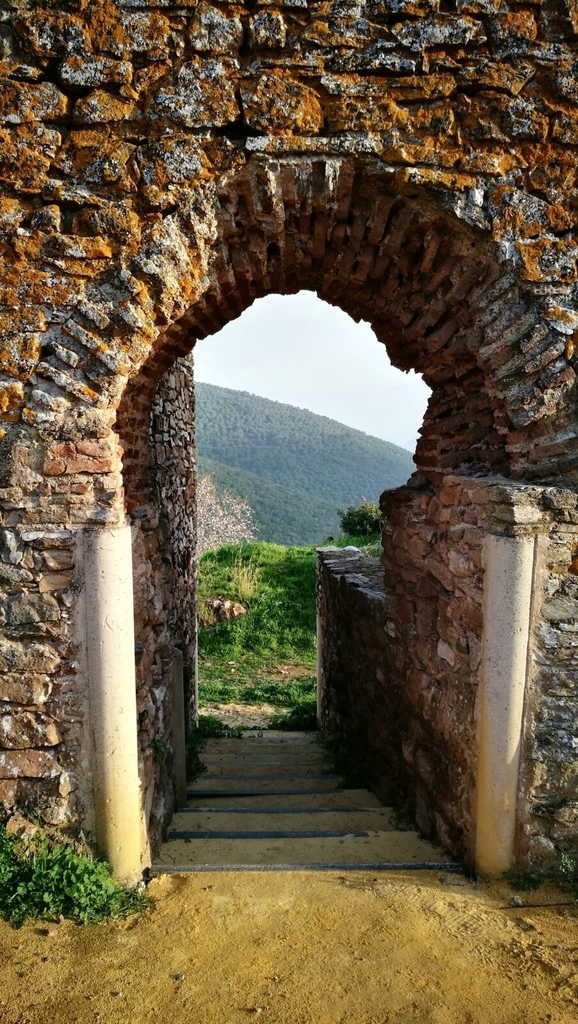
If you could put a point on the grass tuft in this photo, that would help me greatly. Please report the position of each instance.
(46, 880)
(301, 718)
(211, 727)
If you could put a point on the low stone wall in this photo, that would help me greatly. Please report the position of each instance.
(357, 704)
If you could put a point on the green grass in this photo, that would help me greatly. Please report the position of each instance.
(46, 879)
(245, 661)
(211, 727)
(301, 718)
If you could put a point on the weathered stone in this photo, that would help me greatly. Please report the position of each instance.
(47, 34)
(28, 764)
(275, 102)
(561, 609)
(91, 70)
(93, 157)
(134, 32)
(200, 94)
(267, 30)
(28, 688)
(170, 163)
(24, 729)
(28, 607)
(21, 102)
(99, 107)
(212, 31)
(440, 30)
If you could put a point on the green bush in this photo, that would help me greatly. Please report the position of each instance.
(364, 521)
(211, 727)
(45, 880)
(301, 718)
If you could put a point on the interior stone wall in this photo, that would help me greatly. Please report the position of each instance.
(165, 573)
(161, 166)
(356, 700)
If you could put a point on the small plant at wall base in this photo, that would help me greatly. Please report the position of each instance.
(42, 879)
(364, 521)
(159, 747)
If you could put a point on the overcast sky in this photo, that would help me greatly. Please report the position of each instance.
(300, 350)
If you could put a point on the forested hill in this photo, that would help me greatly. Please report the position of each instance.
(308, 455)
(282, 515)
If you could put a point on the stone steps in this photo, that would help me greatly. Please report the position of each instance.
(271, 802)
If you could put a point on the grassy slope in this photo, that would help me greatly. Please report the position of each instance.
(296, 448)
(267, 656)
(272, 648)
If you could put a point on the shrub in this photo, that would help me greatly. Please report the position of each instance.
(364, 521)
(45, 880)
(302, 718)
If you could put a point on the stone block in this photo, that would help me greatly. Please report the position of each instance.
(561, 609)
(48, 34)
(28, 764)
(24, 729)
(147, 33)
(213, 31)
(24, 688)
(101, 107)
(439, 30)
(275, 102)
(201, 93)
(93, 70)
(93, 157)
(53, 581)
(267, 30)
(21, 101)
(28, 608)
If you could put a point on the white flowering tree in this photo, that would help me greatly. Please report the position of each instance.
(222, 518)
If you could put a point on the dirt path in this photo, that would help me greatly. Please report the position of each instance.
(295, 948)
(245, 716)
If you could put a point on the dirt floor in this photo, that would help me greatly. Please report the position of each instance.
(246, 716)
(301, 948)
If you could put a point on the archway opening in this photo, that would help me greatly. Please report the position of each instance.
(274, 391)
(432, 290)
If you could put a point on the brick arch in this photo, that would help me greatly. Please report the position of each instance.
(499, 361)
(431, 285)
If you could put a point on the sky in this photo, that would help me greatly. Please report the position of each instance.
(300, 350)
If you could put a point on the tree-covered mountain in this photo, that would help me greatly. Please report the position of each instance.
(294, 467)
(282, 516)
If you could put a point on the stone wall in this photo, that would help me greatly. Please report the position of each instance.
(174, 465)
(358, 702)
(164, 165)
(165, 568)
(402, 666)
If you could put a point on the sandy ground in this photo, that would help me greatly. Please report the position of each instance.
(300, 948)
(247, 716)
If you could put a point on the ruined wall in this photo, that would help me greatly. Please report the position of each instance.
(165, 567)
(161, 166)
(401, 665)
(549, 781)
(173, 466)
(357, 701)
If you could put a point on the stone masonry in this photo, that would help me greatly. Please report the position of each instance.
(401, 665)
(161, 166)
